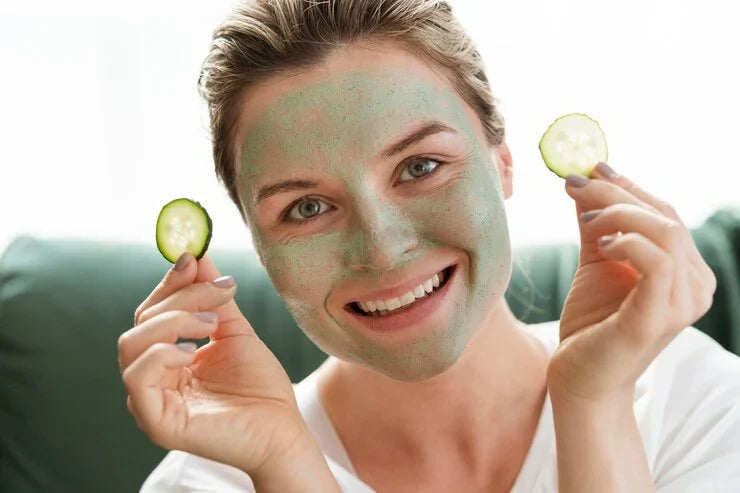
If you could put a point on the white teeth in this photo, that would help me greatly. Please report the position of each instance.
(393, 303)
(407, 298)
(376, 306)
(428, 286)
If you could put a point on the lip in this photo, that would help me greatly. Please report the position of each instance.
(404, 317)
(397, 291)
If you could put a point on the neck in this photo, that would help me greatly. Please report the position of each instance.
(496, 386)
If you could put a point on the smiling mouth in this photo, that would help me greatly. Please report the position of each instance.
(402, 303)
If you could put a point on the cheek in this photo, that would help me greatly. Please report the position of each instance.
(303, 271)
(467, 213)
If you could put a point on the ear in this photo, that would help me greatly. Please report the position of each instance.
(505, 168)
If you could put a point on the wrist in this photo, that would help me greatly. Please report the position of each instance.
(603, 415)
(563, 395)
(297, 466)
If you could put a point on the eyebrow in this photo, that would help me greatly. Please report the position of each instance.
(284, 186)
(427, 129)
(422, 132)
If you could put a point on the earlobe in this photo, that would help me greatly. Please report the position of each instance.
(505, 168)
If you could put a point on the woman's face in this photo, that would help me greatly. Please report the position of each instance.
(342, 209)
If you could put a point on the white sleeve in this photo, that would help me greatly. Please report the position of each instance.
(700, 434)
(181, 472)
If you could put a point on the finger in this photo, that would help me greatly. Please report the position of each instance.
(598, 194)
(197, 297)
(666, 233)
(145, 379)
(645, 306)
(231, 320)
(164, 328)
(647, 257)
(695, 277)
(178, 276)
(605, 172)
(592, 194)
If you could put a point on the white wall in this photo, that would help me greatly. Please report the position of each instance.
(100, 121)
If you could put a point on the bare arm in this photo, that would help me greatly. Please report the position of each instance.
(599, 447)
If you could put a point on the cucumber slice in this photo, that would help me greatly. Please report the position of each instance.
(573, 144)
(183, 226)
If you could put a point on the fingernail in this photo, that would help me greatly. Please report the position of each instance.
(208, 317)
(588, 216)
(182, 262)
(605, 240)
(606, 170)
(576, 181)
(188, 347)
(224, 282)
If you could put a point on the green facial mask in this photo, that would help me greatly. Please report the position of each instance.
(335, 128)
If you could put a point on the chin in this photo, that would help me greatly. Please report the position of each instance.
(415, 367)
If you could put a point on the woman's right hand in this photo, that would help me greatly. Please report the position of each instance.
(230, 401)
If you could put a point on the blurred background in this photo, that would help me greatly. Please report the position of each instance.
(101, 123)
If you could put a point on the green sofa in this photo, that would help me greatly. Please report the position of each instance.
(63, 303)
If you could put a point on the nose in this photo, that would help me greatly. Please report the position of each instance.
(379, 238)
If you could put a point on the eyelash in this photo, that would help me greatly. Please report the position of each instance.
(284, 218)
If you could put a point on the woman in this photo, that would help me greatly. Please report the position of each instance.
(362, 144)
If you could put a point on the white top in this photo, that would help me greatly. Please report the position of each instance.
(687, 405)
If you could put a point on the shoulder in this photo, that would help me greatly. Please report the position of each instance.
(695, 370)
(548, 333)
(692, 415)
(687, 405)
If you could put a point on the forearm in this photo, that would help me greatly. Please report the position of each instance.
(599, 447)
(303, 468)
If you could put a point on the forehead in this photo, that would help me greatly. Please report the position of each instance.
(348, 107)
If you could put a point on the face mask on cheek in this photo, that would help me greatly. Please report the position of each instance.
(303, 273)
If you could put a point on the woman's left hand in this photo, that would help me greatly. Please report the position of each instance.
(630, 297)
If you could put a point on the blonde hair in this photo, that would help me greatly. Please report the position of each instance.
(263, 38)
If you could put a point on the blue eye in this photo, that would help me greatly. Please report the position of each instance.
(419, 169)
(306, 210)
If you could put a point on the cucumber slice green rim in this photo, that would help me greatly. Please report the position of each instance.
(183, 226)
(573, 144)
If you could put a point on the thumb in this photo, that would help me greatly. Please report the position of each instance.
(231, 321)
